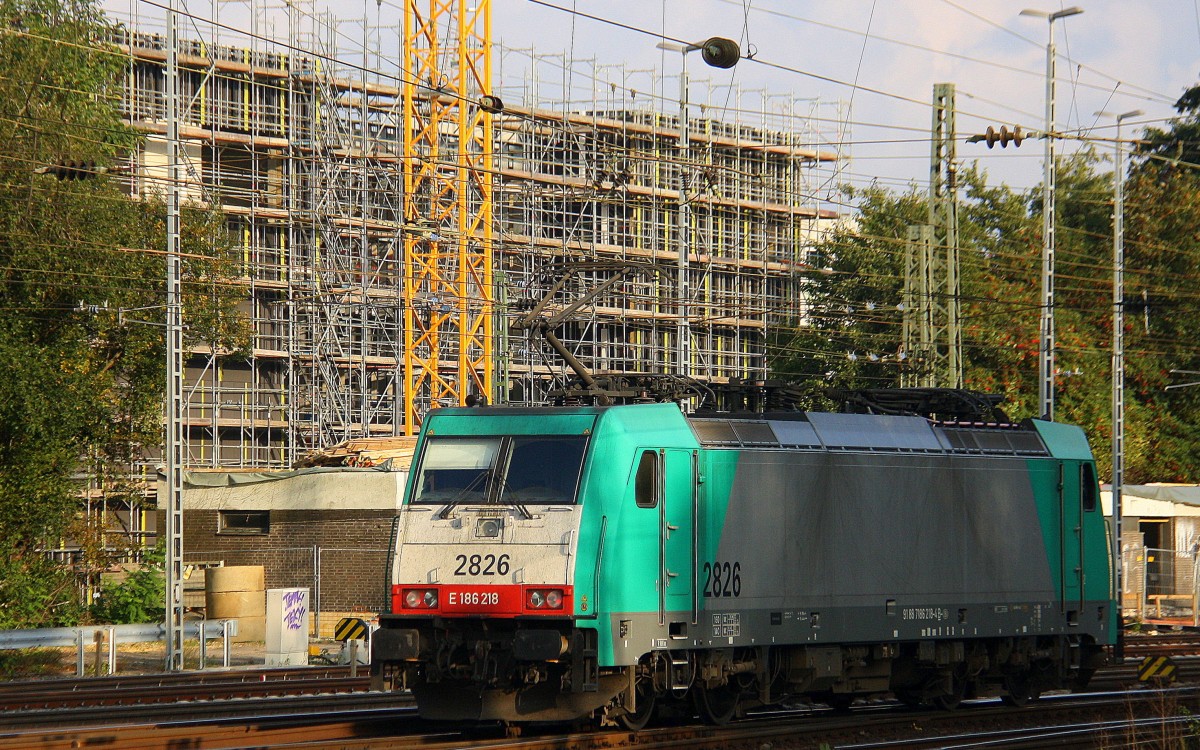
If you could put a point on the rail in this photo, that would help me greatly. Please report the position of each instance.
(111, 635)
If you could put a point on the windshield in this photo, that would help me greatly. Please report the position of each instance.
(519, 470)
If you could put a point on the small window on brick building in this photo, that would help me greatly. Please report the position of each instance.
(244, 522)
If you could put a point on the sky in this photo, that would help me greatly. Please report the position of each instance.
(855, 77)
(878, 60)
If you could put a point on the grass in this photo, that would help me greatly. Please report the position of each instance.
(1157, 721)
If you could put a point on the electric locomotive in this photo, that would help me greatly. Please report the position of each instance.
(560, 563)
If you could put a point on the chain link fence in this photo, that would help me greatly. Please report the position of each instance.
(342, 581)
(1160, 584)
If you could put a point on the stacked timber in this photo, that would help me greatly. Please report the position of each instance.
(364, 453)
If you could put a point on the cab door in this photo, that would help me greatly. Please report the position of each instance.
(677, 548)
(1071, 535)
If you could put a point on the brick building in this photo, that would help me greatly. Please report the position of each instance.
(325, 529)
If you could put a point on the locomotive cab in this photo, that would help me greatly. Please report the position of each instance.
(483, 588)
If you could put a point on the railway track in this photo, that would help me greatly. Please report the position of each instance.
(33, 696)
(69, 701)
(1060, 721)
(1139, 718)
(324, 707)
(211, 676)
(312, 721)
(1165, 644)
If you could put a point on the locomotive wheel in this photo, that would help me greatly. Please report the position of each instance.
(717, 705)
(910, 698)
(1081, 680)
(636, 720)
(839, 702)
(950, 700)
(1019, 690)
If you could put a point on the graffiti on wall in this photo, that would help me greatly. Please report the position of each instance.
(295, 609)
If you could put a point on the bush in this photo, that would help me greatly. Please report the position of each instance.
(141, 597)
(37, 593)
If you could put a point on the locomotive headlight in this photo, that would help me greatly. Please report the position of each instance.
(545, 599)
(488, 528)
(420, 599)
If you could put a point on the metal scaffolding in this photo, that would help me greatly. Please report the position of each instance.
(391, 225)
(600, 180)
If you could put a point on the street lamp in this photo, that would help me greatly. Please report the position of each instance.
(1046, 338)
(719, 53)
(1118, 346)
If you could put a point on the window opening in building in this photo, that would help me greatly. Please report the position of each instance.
(244, 522)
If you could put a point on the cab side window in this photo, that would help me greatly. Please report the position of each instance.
(1087, 486)
(646, 481)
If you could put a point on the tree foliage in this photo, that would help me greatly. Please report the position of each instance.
(851, 336)
(139, 598)
(853, 294)
(36, 591)
(81, 374)
(1161, 300)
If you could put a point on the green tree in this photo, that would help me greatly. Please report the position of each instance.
(854, 305)
(852, 294)
(1161, 301)
(81, 385)
(1001, 262)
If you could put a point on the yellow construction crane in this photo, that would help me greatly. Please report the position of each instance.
(448, 234)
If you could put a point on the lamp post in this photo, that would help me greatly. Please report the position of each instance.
(719, 53)
(1046, 337)
(1118, 347)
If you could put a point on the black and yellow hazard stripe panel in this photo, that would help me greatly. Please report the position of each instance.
(350, 628)
(1157, 669)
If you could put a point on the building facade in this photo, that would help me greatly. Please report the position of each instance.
(301, 147)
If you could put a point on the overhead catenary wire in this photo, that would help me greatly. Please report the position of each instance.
(352, 66)
(661, 159)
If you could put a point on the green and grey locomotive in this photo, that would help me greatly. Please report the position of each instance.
(559, 563)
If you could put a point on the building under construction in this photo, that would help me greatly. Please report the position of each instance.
(393, 225)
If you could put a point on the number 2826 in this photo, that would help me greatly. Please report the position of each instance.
(482, 565)
(722, 579)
